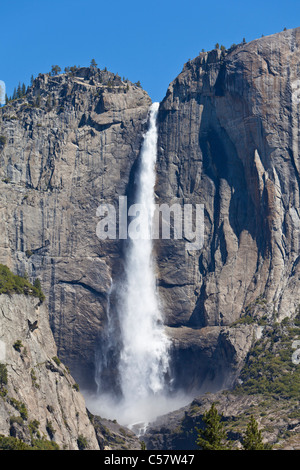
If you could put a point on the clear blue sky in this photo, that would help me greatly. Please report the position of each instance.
(146, 41)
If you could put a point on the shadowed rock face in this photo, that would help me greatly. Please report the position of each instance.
(71, 143)
(228, 139)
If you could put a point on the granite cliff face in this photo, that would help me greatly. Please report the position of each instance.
(40, 399)
(229, 139)
(71, 143)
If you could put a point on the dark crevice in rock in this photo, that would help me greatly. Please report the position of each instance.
(170, 285)
(85, 286)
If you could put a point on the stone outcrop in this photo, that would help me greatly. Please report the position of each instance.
(210, 358)
(39, 399)
(229, 139)
(178, 430)
(70, 145)
(112, 436)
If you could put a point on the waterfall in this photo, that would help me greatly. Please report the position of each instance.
(144, 357)
(133, 370)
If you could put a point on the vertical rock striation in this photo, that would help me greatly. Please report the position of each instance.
(229, 139)
(70, 144)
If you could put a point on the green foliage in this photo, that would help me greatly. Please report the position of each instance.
(44, 444)
(37, 284)
(56, 360)
(253, 438)
(3, 375)
(18, 93)
(76, 387)
(13, 284)
(34, 379)
(20, 407)
(269, 369)
(73, 69)
(55, 69)
(93, 64)
(3, 392)
(18, 345)
(16, 419)
(34, 426)
(12, 443)
(214, 436)
(245, 320)
(38, 290)
(50, 429)
(82, 442)
(143, 445)
(2, 140)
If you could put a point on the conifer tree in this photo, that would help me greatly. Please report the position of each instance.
(73, 69)
(214, 436)
(93, 64)
(55, 70)
(253, 437)
(19, 91)
(3, 375)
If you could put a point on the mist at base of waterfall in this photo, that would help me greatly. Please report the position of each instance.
(135, 414)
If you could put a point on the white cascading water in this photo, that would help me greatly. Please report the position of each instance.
(144, 358)
(143, 362)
